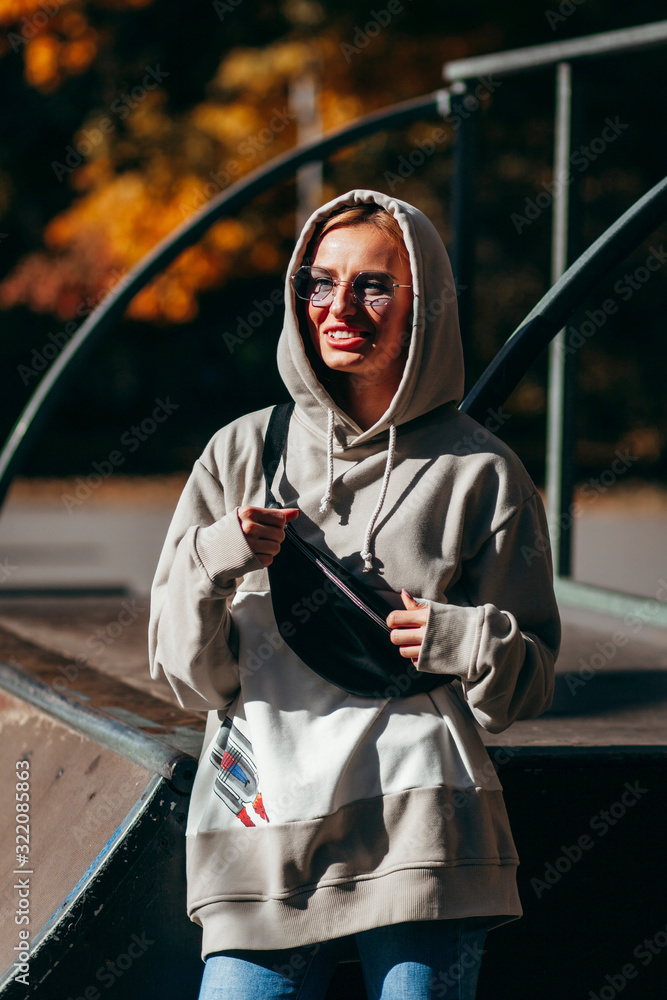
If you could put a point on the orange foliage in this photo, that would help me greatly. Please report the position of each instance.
(56, 41)
(121, 212)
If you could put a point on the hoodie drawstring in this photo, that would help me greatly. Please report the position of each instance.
(326, 499)
(366, 552)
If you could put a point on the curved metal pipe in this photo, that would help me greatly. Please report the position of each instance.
(225, 204)
(553, 311)
(148, 751)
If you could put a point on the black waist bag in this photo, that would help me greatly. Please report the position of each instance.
(331, 620)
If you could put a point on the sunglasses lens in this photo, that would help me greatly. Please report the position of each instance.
(313, 284)
(373, 288)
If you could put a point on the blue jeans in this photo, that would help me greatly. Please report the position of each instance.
(433, 959)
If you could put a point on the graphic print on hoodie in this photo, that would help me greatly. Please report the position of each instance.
(237, 782)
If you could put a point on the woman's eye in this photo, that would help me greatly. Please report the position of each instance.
(376, 287)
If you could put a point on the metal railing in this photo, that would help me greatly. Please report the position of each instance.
(52, 386)
(561, 416)
(148, 751)
(560, 444)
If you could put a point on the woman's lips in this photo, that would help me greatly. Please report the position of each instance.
(345, 338)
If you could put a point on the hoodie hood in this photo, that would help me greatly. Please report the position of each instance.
(433, 372)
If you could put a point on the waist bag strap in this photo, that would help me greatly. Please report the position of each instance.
(274, 445)
(347, 641)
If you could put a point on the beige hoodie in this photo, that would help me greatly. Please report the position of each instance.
(316, 813)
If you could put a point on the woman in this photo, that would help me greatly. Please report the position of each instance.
(321, 819)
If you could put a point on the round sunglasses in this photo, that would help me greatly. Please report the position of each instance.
(371, 288)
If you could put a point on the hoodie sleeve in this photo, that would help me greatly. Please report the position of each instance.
(204, 556)
(503, 645)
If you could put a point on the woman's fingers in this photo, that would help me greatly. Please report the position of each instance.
(263, 528)
(404, 619)
(408, 627)
(270, 516)
(407, 636)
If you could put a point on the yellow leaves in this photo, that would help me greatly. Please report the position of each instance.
(228, 236)
(56, 41)
(258, 71)
(11, 11)
(264, 256)
(55, 45)
(179, 162)
(228, 123)
(72, 23)
(119, 224)
(147, 120)
(337, 109)
(76, 56)
(93, 174)
(163, 300)
(41, 62)
(60, 231)
(308, 13)
(172, 296)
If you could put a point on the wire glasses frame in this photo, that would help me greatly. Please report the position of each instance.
(371, 288)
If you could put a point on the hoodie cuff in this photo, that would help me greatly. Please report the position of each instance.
(224, 552)
(452, 638)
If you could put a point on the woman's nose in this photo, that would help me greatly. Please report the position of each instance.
(344, 300)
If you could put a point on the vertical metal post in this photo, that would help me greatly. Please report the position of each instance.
(304, 92)
(462, 215)
(561, 410)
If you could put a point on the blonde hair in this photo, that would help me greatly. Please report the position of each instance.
(354, 215)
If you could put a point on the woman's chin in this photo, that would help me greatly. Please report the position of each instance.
(344, 360)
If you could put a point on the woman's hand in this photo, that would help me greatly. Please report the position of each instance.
(264, 529)
(408, 627)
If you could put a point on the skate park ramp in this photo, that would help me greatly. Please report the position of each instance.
(94, 866)
(584, 784)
